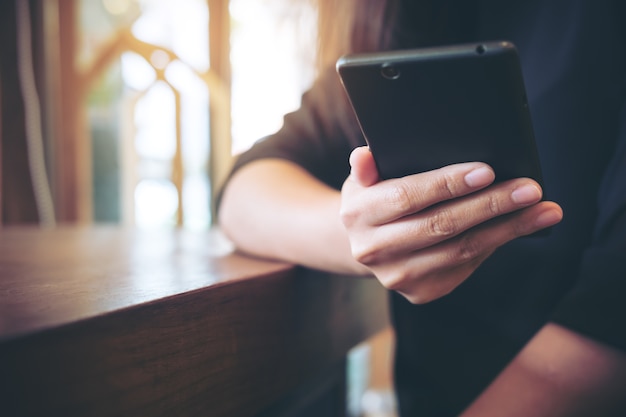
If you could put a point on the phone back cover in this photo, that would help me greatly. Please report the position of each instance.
(444, 108)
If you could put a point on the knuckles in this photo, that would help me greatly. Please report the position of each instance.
(447, 186)
(467, 250)
(494, 206)
(367, 255)
(349, 216)
(441, 225)
(401, 197)
(396, 281)
(413, 289)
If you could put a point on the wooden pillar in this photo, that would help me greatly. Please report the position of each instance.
(73, 168)
(219, 110)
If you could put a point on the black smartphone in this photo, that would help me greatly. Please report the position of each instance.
(422, 109)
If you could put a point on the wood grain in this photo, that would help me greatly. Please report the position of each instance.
(109, 322)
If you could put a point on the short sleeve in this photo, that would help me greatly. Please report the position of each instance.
(318, 136)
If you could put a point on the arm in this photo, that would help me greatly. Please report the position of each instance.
(421, 235)
(273, 208)
(558, 373)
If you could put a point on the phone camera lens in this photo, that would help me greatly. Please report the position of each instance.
(389, 71)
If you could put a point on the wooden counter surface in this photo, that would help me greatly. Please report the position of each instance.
(114, 322)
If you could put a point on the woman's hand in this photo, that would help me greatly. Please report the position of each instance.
(424, 234)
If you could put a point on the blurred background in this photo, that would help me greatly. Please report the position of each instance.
(142, 103)
(129, 112)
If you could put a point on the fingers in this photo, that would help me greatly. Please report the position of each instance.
(364, 169)
(397, 198)
(424, 234)
(445, 221)
(437, 270)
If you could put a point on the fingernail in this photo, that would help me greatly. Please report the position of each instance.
(526, 194)
(479, 177)
(548, 218)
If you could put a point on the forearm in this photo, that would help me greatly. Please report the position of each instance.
(559, 373)
(275, 209)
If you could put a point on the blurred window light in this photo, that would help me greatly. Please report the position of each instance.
(155, 99)
(150, 107)
(273, 51)
(196, 200)
(155, 204)
(181, 26)
(137, 73)
(117, 7)
(155, 123)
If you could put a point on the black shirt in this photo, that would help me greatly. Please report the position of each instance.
(574, 63)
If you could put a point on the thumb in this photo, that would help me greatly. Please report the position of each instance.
(364, 169)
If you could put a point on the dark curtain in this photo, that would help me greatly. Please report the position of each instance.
(16, 192)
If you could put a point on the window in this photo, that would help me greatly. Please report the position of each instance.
(148, 110)
(158, 95)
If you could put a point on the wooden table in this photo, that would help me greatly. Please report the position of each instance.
(114, 322)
